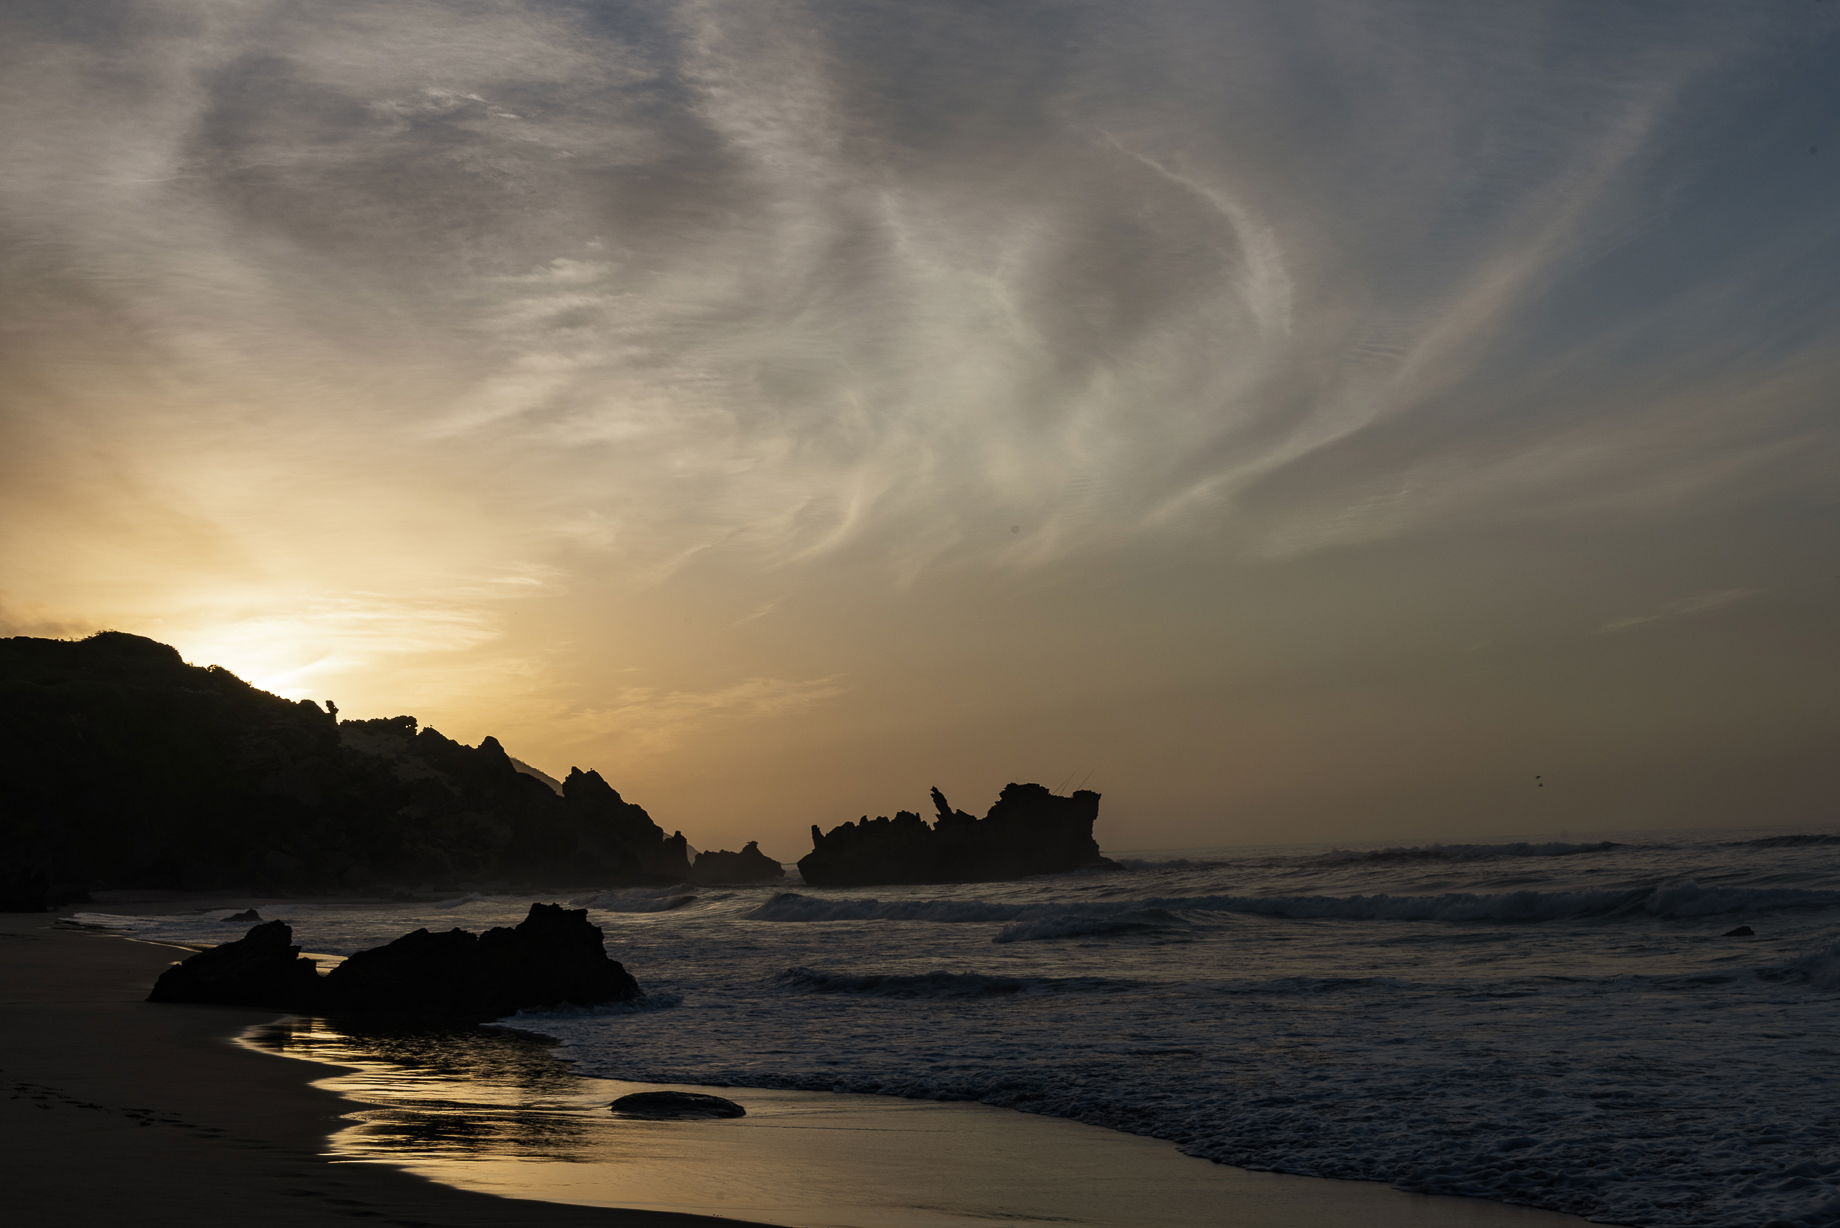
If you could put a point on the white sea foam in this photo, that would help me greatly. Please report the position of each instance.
(1589, 1041)
(638, 899)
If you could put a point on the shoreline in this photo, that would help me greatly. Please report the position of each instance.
(122, 1111)
(162, 1114)
(534, 1127)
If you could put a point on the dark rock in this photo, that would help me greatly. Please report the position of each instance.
(1743, 931)
(599, 828)
(32, 884)
(127, 768)
(248, 914)
(723, 868)
(552, 957)
(676, 1106)
(262, 968)
(1028, 831)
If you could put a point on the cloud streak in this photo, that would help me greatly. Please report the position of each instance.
(322, 324)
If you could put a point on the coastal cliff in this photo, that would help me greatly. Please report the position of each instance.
(1029, 830)
(124, 767)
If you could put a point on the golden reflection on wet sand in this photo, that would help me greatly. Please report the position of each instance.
(494, 1110)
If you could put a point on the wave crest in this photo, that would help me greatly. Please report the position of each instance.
(1085, 923)
(791, 906)
(1797, 841)
(1820, 969)
(636, 899)
(1459, 852)
(1672, 902)
(1680, 901)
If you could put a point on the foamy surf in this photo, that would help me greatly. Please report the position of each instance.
(1598, 1036)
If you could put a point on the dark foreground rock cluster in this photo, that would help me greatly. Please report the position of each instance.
(552, 957)
(124, 767)
(1029, 830)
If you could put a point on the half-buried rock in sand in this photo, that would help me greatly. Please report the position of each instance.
(550, 958)
(676, 1106)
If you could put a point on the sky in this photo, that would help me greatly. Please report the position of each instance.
(1295, 419)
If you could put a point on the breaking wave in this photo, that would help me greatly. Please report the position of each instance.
(1798, 841)
(1681, 901)
(460, 901)
(1674, 902)
(791, 906)
(636, 899)
(1820, 969)
(1084, 923)
(1458, 852)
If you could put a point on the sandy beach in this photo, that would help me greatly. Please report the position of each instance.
(117, 1111)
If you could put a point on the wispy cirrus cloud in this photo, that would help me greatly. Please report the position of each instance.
(696, 268)
(320, 322)
(1685, 607)
(640, 721)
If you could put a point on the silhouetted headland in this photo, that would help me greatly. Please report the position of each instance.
(552, 957)
(127, 768)
(1029, 830)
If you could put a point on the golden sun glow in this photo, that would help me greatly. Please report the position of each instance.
(272, 654)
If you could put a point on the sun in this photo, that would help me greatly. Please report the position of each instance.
(276, 654)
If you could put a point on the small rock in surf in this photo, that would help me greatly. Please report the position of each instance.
(673, 1106)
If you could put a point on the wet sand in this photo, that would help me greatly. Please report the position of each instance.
(121, 1111)
(496, 1110)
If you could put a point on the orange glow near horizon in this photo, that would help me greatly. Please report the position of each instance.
(1314, 449)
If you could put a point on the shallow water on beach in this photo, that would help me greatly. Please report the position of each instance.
(494, 1111)
(1556, 1023)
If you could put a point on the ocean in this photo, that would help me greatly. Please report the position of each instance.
(1567, 1025)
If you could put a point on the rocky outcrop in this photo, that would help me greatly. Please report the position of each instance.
(1029, 830)
(128, 768)
(724, 869)
(262, 968)
(676, 1106)
(600, 828)
(551, 958)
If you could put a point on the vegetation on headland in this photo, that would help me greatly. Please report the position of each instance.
(124, 767)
